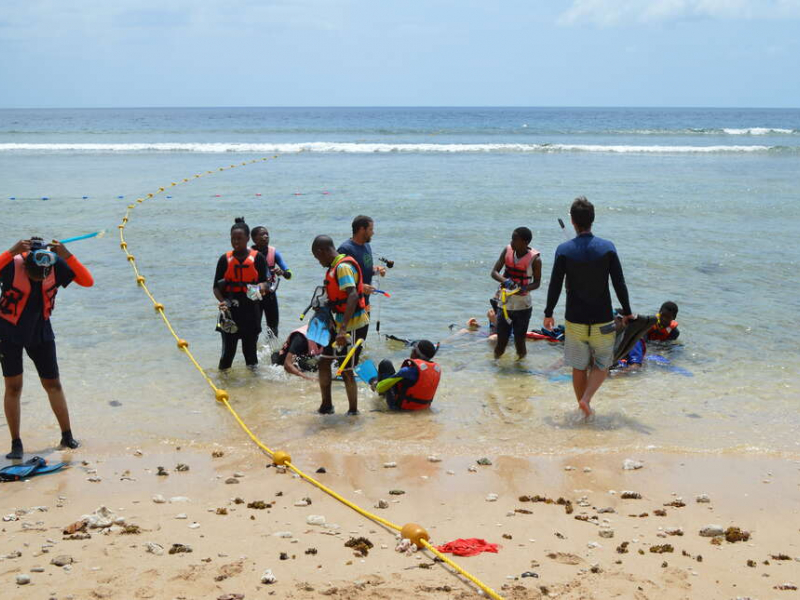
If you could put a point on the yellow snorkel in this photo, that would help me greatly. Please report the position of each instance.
(504, 294)
(349, 356)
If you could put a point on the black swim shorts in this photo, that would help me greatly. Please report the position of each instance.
(43, 356)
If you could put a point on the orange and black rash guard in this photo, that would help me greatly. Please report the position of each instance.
(32, 328)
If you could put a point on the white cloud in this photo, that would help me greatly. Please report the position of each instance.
(616, 12)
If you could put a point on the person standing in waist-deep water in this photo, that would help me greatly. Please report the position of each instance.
(522, 271)
(276, 267)
(30, 275)
(587, 262)
(345, 292)
(239, 284)
(359, 248)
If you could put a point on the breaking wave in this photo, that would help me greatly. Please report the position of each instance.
(379, 148)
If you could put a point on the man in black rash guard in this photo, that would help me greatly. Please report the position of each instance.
(587, 262)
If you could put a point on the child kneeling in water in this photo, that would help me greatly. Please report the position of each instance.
(414, 385)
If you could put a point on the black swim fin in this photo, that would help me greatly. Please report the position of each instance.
(633, 332)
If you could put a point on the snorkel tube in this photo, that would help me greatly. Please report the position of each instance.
(564, 230)
(349, 356)
(97, 234)
(504, 294)
(316, 301)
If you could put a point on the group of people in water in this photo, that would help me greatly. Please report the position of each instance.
(246, 277)
(245, 285)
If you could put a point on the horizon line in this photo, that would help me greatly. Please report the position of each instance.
(432, 106)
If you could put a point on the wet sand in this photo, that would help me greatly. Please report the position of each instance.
(571, 553)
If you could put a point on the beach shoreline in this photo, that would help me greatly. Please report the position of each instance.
(451, 498)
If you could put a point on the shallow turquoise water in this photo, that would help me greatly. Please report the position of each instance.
(716, 231)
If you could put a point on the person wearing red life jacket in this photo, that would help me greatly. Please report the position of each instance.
(414, 385)
(298, 354)
(518, 268)
(240, 282)
(276, 267)
(30, 275)
(344, 288)
(666, 329)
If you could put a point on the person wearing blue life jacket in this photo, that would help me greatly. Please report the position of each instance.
(276, 267)
(359, 248)
(31, 273)
(414, 386)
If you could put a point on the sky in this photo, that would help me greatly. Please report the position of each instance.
(119, 53)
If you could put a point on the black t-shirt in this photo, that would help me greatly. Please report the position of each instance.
(247, 315)
(298, 346)
(32, 329)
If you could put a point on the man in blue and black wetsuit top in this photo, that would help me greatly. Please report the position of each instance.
(358, 247)
(587, 262)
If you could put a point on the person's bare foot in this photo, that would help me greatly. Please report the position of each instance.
(585, 408)
(325, 409)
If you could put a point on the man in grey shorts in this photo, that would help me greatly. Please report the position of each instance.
(587, 262)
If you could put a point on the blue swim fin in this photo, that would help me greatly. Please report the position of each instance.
(366, 371)
(35, 466)
(663, 361)
(318, 330)
(26, 469)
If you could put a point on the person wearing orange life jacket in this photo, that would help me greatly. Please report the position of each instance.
(521, 268)
(239, 283)
(666, 329)
(298, 354)
(344, 288)
(30, 275)
(276, 267)
(414, 385)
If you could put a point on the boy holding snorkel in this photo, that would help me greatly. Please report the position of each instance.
(522, 273)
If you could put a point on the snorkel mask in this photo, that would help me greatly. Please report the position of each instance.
(40, 255)
(40, 259)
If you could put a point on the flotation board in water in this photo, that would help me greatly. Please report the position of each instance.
(633, 332)
(556, 335)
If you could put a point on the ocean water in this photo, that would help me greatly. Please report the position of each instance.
(702, 204)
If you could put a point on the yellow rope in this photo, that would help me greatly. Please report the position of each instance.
(222, 396)
(489, 591)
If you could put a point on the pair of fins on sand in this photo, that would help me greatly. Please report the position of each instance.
(30, 468)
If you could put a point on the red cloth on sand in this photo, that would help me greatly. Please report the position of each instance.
(468, 547)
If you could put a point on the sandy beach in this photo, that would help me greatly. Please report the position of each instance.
(597, 545)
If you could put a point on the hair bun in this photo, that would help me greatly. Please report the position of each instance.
(239, 220)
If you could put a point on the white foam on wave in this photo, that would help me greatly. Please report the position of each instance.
(757, 131)
(371, 148)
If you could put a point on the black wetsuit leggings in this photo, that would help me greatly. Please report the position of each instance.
(229, 343)
(386, 370)
(269, 307)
